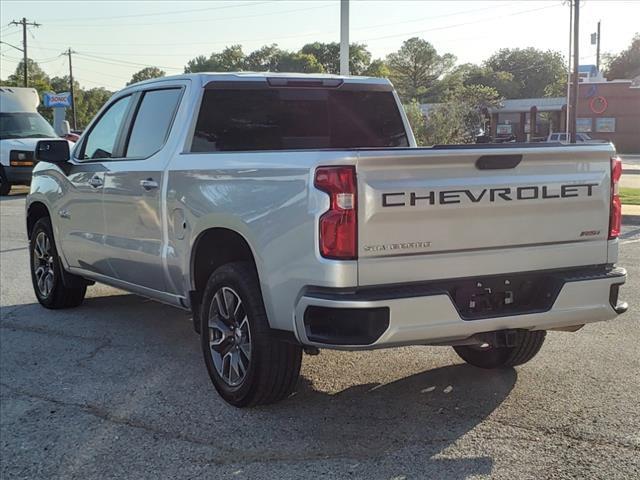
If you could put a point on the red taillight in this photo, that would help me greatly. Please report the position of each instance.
(615, 216)
(338, 225)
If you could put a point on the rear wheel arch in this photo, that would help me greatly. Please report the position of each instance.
(211, 249)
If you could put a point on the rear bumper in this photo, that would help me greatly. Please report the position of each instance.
(18, 175)
(420, 314)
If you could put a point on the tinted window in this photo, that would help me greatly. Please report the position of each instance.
(152, 122)
(297, 118)
(101, 141)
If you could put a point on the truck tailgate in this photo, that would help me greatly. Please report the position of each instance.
(447, 213)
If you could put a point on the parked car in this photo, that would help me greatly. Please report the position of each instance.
(295, 212)
(580, 138)
(21, 127)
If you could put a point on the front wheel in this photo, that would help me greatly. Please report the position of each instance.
(53, 287)
(247, 365)
(527, 345)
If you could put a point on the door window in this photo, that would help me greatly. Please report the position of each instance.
(101, 141)
(153, 121)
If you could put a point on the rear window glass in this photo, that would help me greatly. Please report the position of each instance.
(297, 119)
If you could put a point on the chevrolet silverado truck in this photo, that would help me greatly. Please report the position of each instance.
(293, 213)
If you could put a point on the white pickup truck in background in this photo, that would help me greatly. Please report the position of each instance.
(21, 127)
(295, 212)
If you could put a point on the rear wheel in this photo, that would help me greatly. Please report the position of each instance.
(53, 287)
(246, 364)
(527, 345)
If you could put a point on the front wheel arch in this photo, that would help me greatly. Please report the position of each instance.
(35, 212)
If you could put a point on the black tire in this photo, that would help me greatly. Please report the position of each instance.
(528, 345)
(5, 186)
(64, 290)
(272, 368)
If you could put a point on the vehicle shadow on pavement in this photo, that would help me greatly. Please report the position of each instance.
(125, 365)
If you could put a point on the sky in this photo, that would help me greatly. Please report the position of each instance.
(114, 39)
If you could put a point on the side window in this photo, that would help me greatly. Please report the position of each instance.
(554, 137)
(101, 141)
(152, 122)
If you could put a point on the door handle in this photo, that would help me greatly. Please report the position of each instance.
(149, 184)
(95, 182)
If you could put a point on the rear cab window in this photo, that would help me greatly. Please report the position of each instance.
(286, 118)
(152, 122)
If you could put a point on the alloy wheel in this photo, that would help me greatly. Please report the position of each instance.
(43, 264)
(229, 336)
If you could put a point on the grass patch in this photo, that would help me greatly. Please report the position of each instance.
(630, 196)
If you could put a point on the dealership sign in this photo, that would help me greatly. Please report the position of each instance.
(57, 99)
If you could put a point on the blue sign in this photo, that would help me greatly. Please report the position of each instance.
(57, 99)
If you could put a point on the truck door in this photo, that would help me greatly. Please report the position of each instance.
(132, 196)
(81, 225)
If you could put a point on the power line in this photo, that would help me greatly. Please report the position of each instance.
(458, 24)
(98, 59)
(173, 12)
(282, 12)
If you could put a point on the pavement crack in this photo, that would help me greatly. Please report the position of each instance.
(224, 455)
(573, 436)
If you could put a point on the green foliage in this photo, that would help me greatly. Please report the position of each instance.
(312, 58)
(457, 120)
(417, 67)
(328, 55)
(625, 65)
(231, 59)
(88, 102)
(417, 122)
(377, 68)
(531, 71)
(146, 73)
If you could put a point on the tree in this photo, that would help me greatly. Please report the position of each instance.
(231, 59)
(37, 78)
(328, 55)
(88, 102)
(626, 64)
(417, 67)
(532, 71)
(146, 73)
(265, 59)
(377, 68)
(299, 62)
(457, 120)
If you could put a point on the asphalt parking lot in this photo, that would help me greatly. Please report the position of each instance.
(117, 389)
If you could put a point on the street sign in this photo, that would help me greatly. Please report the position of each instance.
(57, 99)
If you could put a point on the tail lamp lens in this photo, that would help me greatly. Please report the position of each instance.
(615, 216)
(338, 226)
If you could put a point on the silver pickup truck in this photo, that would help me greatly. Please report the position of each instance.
(291, 213)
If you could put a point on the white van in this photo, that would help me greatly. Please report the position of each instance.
(21, 127)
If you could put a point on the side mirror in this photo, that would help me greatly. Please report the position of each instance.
(52, 151)
(65, 129)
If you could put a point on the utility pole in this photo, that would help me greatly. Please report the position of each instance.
(73, 96)
(568, 117)
(598, 48)
(344, 37)
(576, 63)
(24, 24)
